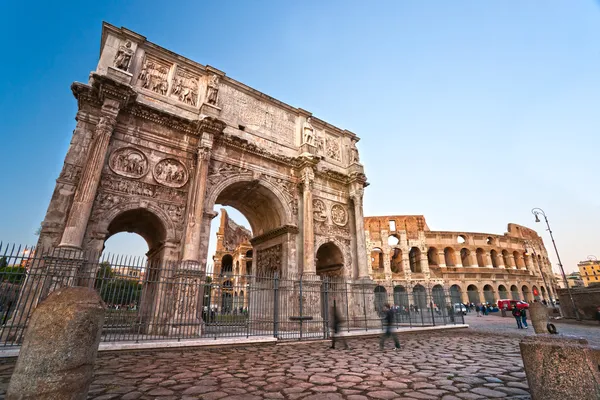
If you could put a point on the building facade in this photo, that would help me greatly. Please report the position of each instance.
(589, 271)
(473, 267)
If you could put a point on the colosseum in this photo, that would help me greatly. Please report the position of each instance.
(405, 255)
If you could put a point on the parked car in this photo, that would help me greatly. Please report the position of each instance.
(460, 308)
(510, 304)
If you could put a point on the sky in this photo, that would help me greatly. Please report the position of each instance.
(469, 112)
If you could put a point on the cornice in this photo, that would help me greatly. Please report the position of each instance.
(273, 234)
(164, 118)
(244, 145)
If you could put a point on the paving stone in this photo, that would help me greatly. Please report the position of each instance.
(519, 385)
(489, 393)
(512, 391)
(132, 396)
(161, 392)
(383, 394)
(321, 380)
(214, 395)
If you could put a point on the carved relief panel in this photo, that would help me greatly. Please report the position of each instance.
(319, 210)
(154, 75)
(185, 87)
(269, 260)
(332, 148)
(339, 215)
(170, 172)
(128, 161)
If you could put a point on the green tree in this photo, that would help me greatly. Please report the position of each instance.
(13, 274)
(3, 262)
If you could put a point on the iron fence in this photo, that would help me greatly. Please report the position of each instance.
(156, 301)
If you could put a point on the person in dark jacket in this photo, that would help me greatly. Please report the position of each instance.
(336, 325)
(517, 314)
(388, 321)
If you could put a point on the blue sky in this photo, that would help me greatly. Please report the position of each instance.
(470, 112)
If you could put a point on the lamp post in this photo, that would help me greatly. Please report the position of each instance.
(592, 258)
(537, 212)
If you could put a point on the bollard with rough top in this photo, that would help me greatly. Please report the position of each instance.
(561, 368)
(538, 315)
(57, 357)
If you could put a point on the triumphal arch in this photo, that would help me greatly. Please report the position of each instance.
(161, 139)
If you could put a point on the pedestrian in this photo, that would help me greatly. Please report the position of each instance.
(387, 322)
(336, 324)
(517, 314)
(524, 318)
(478, 310)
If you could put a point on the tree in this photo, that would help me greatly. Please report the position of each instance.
(3, 262)
(13, 274)
(105, 273)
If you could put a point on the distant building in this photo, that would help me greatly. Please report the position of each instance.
(589, 271)
(126, 272)
(574, 280)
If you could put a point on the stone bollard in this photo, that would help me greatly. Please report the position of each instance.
(57, 357)
(561, 368)
(538, 314)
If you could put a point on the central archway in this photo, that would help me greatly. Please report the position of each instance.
(330, 260)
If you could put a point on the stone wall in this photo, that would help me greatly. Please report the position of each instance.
(586, 300)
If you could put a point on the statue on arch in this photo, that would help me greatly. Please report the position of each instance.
(308, 133)
(123, 57)
(212, 90)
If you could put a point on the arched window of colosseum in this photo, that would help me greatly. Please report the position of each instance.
(514, 292)
(396, 260)
(414, 257)
(393, 240)
(473, 294)
(526, 260)
(227, 264)
(536, 293)
(401, 297)
(380, 298)
(449, 257)
(237, 267)
(420, 297)
(376, 259)
(490, 241)
(480, 258)
(494, 257)
(502, 292)
(432, 257)
(506, 258)
(392, 226)
(461, 239)
(465, 257)
(249, 262)
(525, 291)
(517, 259)
(488, 293)
(456, 294)
(543, 289)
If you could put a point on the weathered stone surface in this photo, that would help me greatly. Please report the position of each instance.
(60, 346)
(560, 368)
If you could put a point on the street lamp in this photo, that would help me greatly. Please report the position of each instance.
(537, 212)
(592, 258)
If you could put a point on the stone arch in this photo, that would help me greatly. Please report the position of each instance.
(227, 264)
(438, 296)
(514, 292)
(488, 294)
(330, 260)
(506, 258)
(517, 260)
(376, 259)
(473, 294)
(480, 254)
(420, 297)
(455, 294)
(380, 298)
(432, 257)
(502, 292)
(401, 297)
(396, 263)
(449, 257)
(494, 258)
(414, 257)
(465, 257)
(536, 292)
(228, 192)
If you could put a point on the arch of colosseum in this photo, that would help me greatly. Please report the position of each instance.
(472, 266)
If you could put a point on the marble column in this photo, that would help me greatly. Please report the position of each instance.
(90, 177)
(361, 246)
(442, 259)
(195, 212)
(309, 267)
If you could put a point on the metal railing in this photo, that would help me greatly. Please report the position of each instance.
(149, 301)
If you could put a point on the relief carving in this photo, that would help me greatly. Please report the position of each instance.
(153, 76)
(288, 188)
(185, 87)
(324, 229)
(106, 201)
(319, 210)
(170, 172)
(174, 212)
(225, 171)
(212, 90)
(332, 148)
(70, 173)
(123, 57)
(339, 216)
(353, 153)
(308, 133)
(128, 161)
(269, 260)
(138, 188)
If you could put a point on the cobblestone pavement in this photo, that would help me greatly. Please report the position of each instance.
(495, 324)
(443, 365)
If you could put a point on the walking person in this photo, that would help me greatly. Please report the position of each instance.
(517, 314)
(478, 309)
(388, 320)
(524, 319)
(336, 325)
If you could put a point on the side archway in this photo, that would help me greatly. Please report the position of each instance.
(330, 260)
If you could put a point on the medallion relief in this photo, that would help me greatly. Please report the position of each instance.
(128, 161)
(319, 210)
(339, 216)
(170, 172)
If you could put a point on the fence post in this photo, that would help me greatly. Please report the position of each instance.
(326, 306)
(300, 304)
(276, 305)
(365, 307)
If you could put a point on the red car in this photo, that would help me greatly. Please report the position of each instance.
(510, 304)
